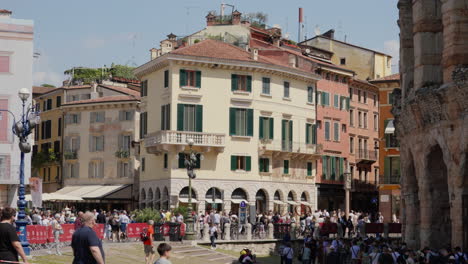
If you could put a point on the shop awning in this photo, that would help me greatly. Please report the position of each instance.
(278, 202)
(390, 128)
(55, 197)
(237, 201)
(120, 191)
(216, 201)
(185, 200)
(291, 202)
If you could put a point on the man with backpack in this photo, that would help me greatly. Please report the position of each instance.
(460, 257)
(147, 237)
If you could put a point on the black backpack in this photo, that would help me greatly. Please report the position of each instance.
(144, 235)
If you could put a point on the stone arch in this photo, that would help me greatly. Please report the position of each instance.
(184, 193)
(305, 197)
(437, 193)
(278, 196)
(149, 201)
(157, 199)
(292, 196)
(410, 200)
(261, 201)
(240, 193)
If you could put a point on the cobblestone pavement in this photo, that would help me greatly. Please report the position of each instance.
(132, 253)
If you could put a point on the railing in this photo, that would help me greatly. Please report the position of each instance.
(359, 185)
(390, 179)
(70, 155)
(290, 146)
(364, 154)
(181, 137)
(122, 153)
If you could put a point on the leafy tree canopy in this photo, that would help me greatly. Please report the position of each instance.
(89, 75)
(47, 85)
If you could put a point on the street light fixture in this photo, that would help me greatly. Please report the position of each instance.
(190, 164)
(347, 187)
(22, 129)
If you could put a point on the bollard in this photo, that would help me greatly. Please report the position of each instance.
(227, 231)
(293, 231)
(206, 233)
(270, 231)
(385, 228)
(248, 230)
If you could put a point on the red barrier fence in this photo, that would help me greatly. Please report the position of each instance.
(44, 234)
(394, 228)
(134, 230)
(330, 228)
(374, 228)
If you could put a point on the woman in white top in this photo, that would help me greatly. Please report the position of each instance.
(57, 231)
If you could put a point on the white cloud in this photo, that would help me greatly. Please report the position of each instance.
(43, 72)
(97, 42)
(392, 47)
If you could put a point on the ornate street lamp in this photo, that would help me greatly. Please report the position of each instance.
(190, 164)
(347, 187)
(22, 129)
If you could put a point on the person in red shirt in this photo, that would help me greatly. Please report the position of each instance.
(148, 243)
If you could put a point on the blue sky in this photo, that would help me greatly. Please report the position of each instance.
(93, 33)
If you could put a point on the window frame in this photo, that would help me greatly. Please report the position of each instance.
(327, 135)
(286, 89)
(266, 85)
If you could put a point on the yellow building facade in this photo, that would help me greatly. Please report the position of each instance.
(251, 122)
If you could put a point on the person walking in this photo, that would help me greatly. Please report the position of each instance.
(87, 248)
(114, 223)
(123, 222)
(10, 246)
(78, 221)
(164, 251)
(288, 253)
(57, 230)
(148, 242)
(306, 254)
(213, 235)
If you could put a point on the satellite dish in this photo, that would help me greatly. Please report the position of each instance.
(317, 30)
(307, 50)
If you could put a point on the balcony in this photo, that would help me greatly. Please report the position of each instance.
(362, 186)
(366, 156)
(162, 140)
(390, 179)
(284, 147)
(70, 155)
(122, 154)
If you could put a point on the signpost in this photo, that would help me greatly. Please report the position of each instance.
(243, 213)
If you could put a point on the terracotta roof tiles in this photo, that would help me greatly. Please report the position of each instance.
(393, 77)
(106, 99)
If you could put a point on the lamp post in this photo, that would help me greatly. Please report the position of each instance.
(347, 187)
(22, 129)
(190, 163)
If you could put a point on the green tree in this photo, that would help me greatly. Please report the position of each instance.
(47, 85)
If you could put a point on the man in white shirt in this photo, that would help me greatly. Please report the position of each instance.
(216, 218)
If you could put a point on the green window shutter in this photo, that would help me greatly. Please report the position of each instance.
(309, 168)
(324, 98)
(314, 134)
(162, 116)
(249, 83)
(233, 82)
(233, 163)
(181, 160)
(199, 118)
(166, 78)
(291, 131)
(250, 122)
(267, 165)
(198, 79)
(271, 127)
(248, 163)
(327, 100)
(180, 117)
(307, 132)
(232, 121)
(387, 167)
(182, 78)
(347, 104)
(333, 168)
(260, 164)
(324, 167)
(341, 169)
(260, 133)
(286, 167)
(283, 129)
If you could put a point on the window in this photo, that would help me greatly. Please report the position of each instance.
(265, 127)
(188, 78)
(46, 129)
(364, 95)
(351, 118)
(47, 105)
(241, 163)
(327, 76)
(166, 78)
(96, 143)
(365, 120)
(240, 122)
(182, 156)
(123, 169)
(166, 161)
(57, 146)
(59, 127)
(241, 83)
(264, 164)
(286, 89)
(97, 117)
(342, 61)
(4, 63)
(391, 140)
(265, 85)
(360, 119)
(309, 168)
(143, 163)
(124, 142)
(325, 172)
(390, 98)
(375, 99)
(73, 143)
(351, 144)
(310, 94)
(318, 96)
(327, 130)
(359, 95)
(325, 100)
(336, 101)
(392, 170)
(143, 124)
(376, 122)
(286, 135)
(343, 128)
(144, 88)
(166, 117)
(96, 169)
(286, 167)
(73, 118)
(336, 131)
(58, 101)
(337, 78)
(311, 134)
(126, 115)
(73, 170)
(350, 93)
(189, 118)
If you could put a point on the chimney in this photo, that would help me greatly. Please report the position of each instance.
(236, 17)
(210, 19)
(329, 34)
(94, 93)
(254, 54)
(154, 53)
(5, 13)
(301, 21)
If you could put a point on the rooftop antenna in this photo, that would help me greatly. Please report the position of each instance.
(187, 8)
(223, 5)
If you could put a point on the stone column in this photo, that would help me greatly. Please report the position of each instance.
(248, 230)
(293, 231)
(405, 22)
(270, 231)
(227, 231)
(227, 206)
(201, 206)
